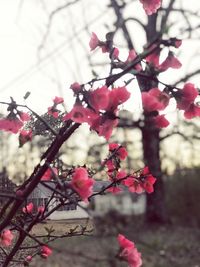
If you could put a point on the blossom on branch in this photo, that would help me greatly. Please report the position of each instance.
(82, 183)
(49, 174)
(128, 252)
(155, 99)
(120, 151)
(12, 125)
(186, 101)
(28, 208)
(151, 6)
(6, 238)
(45, 252)
(94, 41)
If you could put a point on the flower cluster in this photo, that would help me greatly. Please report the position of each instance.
(53, 109)
(156, 100)
(128, 252)
(142, 181)
(14, 121)
(98, 108)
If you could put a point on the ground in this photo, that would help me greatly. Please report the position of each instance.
(161, 246)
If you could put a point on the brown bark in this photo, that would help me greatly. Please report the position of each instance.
(155, 209)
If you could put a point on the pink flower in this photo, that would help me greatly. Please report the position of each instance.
(53, 111)
(117, 97)
(24, 116)
(154, 100)
(128, 252)
(170, 62)
(185, 101)
(76, 87)
(45, 252)
(58, 100)
(11, 125)
(192, 111)
(121, 152)
(94, 41)
(114, 189)
(81, 183)
(49, 174)
(160, 121)
(80, 114)
(25, 136)
(41, 209)
(28, 208)
(190, 92)
(147, 180)
(151, 6)
(29, 258)
(106, 128)
(142, 182)
(115, 53)
(6, 238)
(133, 185)
(99, 98)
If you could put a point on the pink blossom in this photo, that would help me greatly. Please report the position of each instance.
(128, 252)
(185, 101)
(29, 258)
(117, 97)
(6, 238)
(28, 208)
(154, 100)
(80, 114)
(41, 209)
(160, 121)
(45, 252)
(192, 111)
(149, 102)
(147, 180)
(53, 111)
(11, 125)
(49, 174)
(58, 100)
(82, 183)
(99, 98)
(121, 152)
(170, 62)
(151, 6)
(115, 53)
(105, 129)
(24, 116)
(190, 92)
(114, 189)
(133, 185)
(94, 41)
(76, 87)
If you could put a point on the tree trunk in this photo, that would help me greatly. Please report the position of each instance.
(155, 209)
